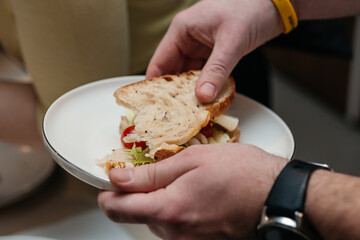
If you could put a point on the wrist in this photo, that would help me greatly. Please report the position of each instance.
(284, 214)
(278, 165)
(287, 13)
(274, 17)
(318, 182)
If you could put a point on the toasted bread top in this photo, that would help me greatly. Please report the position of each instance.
(167, 111)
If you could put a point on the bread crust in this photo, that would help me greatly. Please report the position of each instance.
(235, 135)
(218, 107)
(166, 153)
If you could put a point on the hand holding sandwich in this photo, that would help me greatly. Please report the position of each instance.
(214, 35)
(204, 192)
(217, 192)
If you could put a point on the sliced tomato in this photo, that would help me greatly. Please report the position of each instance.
(207, 131)
(131, 130)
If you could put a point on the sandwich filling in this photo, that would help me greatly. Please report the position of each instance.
(135, 152)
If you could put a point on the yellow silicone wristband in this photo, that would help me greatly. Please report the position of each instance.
(287, 13)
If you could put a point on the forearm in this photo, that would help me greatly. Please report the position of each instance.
(333, 204)
(321, 9)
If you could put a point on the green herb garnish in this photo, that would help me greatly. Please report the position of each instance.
(139, 154)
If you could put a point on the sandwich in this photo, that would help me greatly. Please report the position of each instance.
(163, 117)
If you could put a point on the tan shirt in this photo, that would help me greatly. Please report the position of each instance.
(68, 43)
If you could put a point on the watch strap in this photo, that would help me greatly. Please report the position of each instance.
(288, 193)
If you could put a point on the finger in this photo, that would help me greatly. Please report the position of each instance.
(193, 64)
(216, 71)
(150, 177)
(167, 58)
(176, 49)
(131, 207)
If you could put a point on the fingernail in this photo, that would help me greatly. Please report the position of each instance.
(124, 176)
(208, 89)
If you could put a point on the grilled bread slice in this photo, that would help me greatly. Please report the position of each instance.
(168, 113)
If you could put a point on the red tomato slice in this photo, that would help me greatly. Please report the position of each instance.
(207, 131)
(131, 130)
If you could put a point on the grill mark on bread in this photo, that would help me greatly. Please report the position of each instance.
(168, 78)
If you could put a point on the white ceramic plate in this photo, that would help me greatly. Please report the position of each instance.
(82, 126)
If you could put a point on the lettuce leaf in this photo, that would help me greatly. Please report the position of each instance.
(139, 154)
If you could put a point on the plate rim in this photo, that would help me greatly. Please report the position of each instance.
(57, 155)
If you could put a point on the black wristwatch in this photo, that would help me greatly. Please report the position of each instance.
(283, 214)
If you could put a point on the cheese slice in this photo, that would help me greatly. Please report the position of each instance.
(228, 122)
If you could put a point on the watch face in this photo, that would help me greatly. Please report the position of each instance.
(280, 233)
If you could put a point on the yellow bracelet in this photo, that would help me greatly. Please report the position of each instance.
(287, 14)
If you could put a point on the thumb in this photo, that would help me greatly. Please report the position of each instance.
(216, 71)
(150, 177)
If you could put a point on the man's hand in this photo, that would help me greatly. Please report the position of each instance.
(214, 35)
(203, 192)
